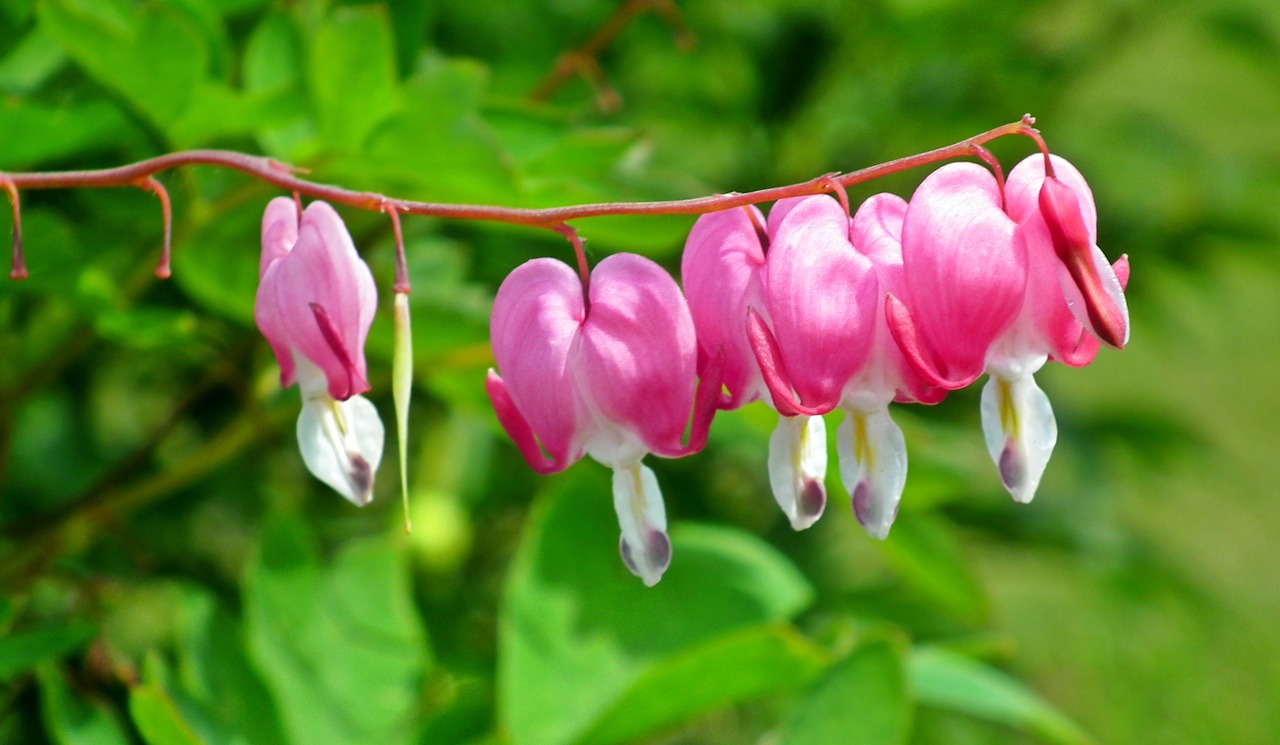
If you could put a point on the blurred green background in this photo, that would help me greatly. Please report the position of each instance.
(171, 574)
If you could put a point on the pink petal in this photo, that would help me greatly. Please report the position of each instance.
(1094, 292)
(720, 270)
(536, 323)
(964, 267)
(774, 370)
(322, 269)
(518, 429)
(876, 231)
(778, 212)
(279, 231)
(1022, 190)
(822, 297)
(636, 365)
(1060, 213)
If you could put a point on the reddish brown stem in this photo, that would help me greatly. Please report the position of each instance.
(580, 254)
(988, 157)
(762, 230)
(1035, 135)
(553, 218)
(17, 264)
(843, 196)
(149, 183)
(402, 267)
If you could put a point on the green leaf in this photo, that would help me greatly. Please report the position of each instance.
(20, 651)
(152, 54)
(71, 720)
(273, 55)
(65, 130)
(218, 264)
(147, 327)
(157, 718)
(949, 681)
(578, 632)
(31, 62)
(352, 75)
(745, 665)
(214, 670)
(218, 111)
(861, 700)
(437, 146)
(341, 647)
(17, 11)
(273, 64)
(927, 556)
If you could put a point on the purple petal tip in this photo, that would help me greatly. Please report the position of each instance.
(1012, 470)
(656, 556)
(813, 499)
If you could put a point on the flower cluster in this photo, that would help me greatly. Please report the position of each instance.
(811, 310)
(808, 310)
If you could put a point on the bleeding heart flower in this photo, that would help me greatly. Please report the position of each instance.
(1071, 290)
(613, 378)
(872, 449)
(965, 275)
(315, 302)
(790, 305)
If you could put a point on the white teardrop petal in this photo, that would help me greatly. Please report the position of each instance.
(798, 468)
(644, 545)
(873, 467)
(341, 444)
(1020, 432)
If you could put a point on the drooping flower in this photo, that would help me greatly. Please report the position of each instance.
(790, 305)
(1073, 299)
(872, 449)
(964, 272)
(613, 377)
(1059, 220)
(721, 269)
(315, 302)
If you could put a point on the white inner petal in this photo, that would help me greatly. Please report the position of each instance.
(798, 468)
(646, 550)
(341, 441)
(1020, 432)
(873, 466)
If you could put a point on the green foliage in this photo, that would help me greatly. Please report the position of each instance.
(860, 699)
(340, 648)
(587, 649)
(19, 652)
(169, 573)
(72, 720)
(949, 681)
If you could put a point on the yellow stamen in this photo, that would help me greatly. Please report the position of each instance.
(1008, 412)
(862, 449)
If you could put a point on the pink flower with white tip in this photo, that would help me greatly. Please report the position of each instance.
(612, 377)
(1073, 299)
(872, 449)
(792, 306)
(964, 275)
(315, 302)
